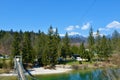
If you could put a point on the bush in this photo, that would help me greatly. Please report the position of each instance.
(4, 64)
(1, 63)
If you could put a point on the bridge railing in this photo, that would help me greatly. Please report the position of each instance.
(19, 68)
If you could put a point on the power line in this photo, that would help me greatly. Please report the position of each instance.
(88, 9)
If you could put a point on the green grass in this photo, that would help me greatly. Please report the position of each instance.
(1, 71)
(72, 62)
(7, 60)
(5, 66)
(8, 78)
(12, 78)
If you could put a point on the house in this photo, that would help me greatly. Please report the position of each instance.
(78, 58)
(74, 56)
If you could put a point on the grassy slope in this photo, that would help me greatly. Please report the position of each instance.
(8, 78)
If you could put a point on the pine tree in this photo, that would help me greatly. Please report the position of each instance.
(16, 44)
(2, 33)
(53, 41)
(27, 50)
(91, 39)
(97, 44)
(91, 44)
(65, 51)
(74, 49)
(105, 48)
(21, 40)
(50, 45)
(41, 47)
(82, 50)
(116, 40)
(56, 43)
(45, 56)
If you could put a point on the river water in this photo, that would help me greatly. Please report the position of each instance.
(98, 74)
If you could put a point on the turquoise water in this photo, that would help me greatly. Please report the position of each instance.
(99, 74)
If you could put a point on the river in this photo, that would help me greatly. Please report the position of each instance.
(98, 74)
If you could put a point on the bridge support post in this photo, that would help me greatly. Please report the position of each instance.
(17, 58)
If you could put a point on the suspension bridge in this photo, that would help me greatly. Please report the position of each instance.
(20, 71)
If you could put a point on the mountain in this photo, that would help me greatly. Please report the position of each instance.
(77, 38)
(109, 36)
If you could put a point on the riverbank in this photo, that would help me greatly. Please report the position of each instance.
(41, 71)
(66, 68)
(94, 65)
(96, 74)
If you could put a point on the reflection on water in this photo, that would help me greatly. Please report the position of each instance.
(99, 74)
(110, 74)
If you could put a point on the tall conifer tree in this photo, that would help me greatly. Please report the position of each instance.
(91, 44)
(16, 45)
(27, 50)
(65, 47)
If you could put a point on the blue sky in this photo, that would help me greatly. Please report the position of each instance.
(72, 16)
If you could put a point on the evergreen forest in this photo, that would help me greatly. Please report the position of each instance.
(48, 49)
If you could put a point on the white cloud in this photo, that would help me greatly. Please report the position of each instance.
(73, 33)
(85, 26)
(70, 28)
(54, 29)
(62, 35)
(114, 24)
(95, 34)
(103, 29)
(70, 34)
(77, 26)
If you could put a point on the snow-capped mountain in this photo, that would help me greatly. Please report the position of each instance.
(77, 38)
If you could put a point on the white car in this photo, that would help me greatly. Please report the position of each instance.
(79, 59)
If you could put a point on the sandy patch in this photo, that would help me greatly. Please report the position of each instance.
(41, 70)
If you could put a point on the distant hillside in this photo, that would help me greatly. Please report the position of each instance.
(77, 38)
